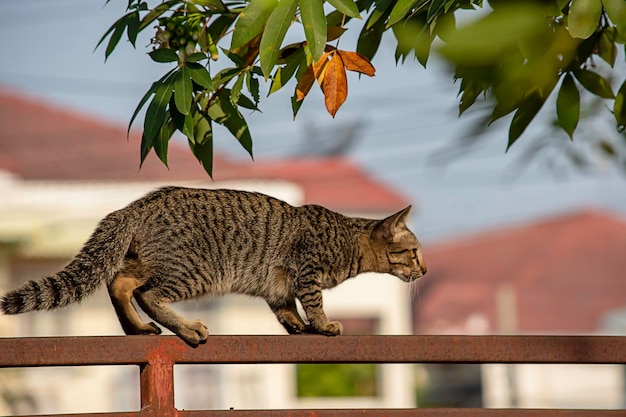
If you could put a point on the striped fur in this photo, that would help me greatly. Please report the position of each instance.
(181, 243)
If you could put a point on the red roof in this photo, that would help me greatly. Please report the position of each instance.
(38, 141)
(566, 274)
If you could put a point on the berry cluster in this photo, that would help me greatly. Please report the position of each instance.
(178, 33)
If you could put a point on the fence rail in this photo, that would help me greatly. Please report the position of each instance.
(157, 355)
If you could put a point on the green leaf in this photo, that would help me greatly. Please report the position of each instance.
(422, 49)
(237, 60)
(568, 105)
(406, 34)
(347, 7)
(146, 145)
(275, 31)
(484, 42)
(412, 35)
(142, 103)
(162, 140)
(246, 103)
(369, 39)
(295, 103)
(199, 74)
(526, 112)
(314, 22)
(251, 21)
(202, 146)
(153, 14)
(196, 57)
(471, 90)
(203, 129)
(177, 117)
(218, 28)
(183, 90)
(223, 112)
(616, 10)
(225, 75)
(594, 83)
(607, 50)
(584, 16)
(235, 92)
(146, 96)
(434, 7)
(117, 28)
(399, 11)
(155, 114)
(204, 153)
(163, 55)
(115, 38)
(133, 27)
(381, 11)
(214, 5)
(500, 110)
(188, 126)
(285, 73)
(619, 107)
(253, 87)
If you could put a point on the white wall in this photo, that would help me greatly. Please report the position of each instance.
(554, 386)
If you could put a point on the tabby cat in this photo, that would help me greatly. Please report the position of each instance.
(180, 243)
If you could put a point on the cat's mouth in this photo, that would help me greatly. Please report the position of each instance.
(415, 275)
(408, 275)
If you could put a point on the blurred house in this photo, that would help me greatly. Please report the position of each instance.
(61, 172)
(564, 275)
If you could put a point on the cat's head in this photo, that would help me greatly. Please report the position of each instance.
(398, 251)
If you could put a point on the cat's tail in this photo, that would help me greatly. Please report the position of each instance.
(96, 263)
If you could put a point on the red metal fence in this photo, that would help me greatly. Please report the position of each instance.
(157, 355)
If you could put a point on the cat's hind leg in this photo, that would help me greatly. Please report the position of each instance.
(287, 315)
(121, 293)
(154, 303)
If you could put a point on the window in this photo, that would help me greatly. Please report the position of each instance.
(337, 379)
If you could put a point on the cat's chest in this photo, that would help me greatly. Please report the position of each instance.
(335, 272)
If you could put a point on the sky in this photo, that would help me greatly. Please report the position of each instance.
(406, 118)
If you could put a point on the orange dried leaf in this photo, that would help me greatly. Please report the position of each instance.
(320, 67)
(354, 61)
(305, 83)
(335, 85)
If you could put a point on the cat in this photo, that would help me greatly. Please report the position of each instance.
(180, 243)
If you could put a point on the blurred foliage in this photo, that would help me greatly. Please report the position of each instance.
(515, 55)
(337, 380)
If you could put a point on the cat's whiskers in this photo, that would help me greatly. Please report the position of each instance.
(414, 290)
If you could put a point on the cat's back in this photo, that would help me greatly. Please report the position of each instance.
(322, 227)
(225, 205)
(231, 219)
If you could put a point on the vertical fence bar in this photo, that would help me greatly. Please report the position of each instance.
(157, 384)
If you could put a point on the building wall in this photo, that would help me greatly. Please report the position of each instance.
(553, 386)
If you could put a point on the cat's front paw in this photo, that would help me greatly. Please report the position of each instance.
(333, 328)
(195, 333)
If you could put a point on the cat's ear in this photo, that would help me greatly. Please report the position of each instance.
(393, 225)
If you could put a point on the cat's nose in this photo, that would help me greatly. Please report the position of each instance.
(424, 269)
